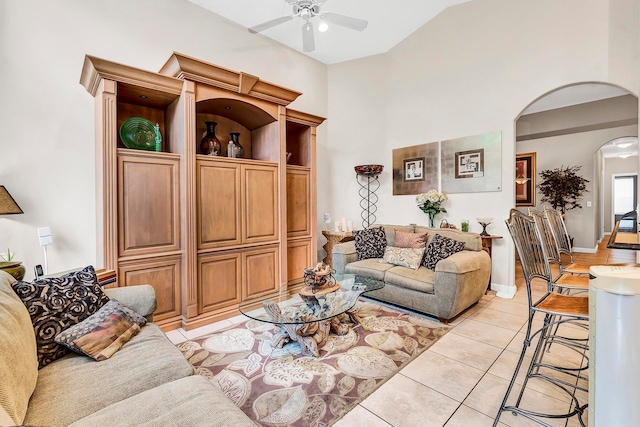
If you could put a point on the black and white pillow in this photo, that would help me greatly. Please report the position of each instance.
(440, 248)
(370, 243)
(55, 304)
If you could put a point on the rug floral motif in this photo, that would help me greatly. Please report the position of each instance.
(280, 387)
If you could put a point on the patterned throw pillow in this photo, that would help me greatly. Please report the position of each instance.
(439, 248)
(410, 240)
(103, 333)
(370, 243)
(404, 257)
(55, 304)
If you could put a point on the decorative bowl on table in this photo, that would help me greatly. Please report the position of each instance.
(139, 133)
(369, 170)
(318, 278)
(484, 222)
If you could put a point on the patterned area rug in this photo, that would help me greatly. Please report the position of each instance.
(280, 387)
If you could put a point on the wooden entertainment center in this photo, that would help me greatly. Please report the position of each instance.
(205, 231)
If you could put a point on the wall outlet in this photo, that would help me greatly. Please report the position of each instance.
(588, 204)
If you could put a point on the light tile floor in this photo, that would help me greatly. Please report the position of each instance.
(461, 379)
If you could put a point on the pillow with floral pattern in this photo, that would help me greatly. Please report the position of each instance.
(404, 257)
(370, 243)
(55, 304)
(439, 248)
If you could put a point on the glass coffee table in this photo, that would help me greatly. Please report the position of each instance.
(308, 319)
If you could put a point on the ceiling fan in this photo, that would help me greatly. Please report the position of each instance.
(307, 9)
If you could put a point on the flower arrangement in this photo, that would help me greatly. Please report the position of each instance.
(430, 203)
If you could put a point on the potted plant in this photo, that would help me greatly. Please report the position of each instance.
(14, 268)
(562, 188)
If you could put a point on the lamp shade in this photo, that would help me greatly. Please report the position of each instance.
(7, 204)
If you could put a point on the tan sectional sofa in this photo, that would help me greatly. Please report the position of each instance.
(457, 283)
(148, 382)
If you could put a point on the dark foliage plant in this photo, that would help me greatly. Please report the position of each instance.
(562, 187)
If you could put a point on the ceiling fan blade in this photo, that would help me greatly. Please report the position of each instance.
(308, 40)
(266, 25)
(345, 21)
(320, 2)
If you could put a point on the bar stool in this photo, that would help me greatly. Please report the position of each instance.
(562, 242)
(557, 309)
(565, 281)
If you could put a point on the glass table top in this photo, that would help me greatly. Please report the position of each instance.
(297, 309)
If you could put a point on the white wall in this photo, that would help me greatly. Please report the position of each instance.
(471, 70)
(46, 116)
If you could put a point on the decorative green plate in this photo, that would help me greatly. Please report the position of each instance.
(139, 133)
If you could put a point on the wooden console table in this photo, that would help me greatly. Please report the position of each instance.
(487, 241)
(333, 238)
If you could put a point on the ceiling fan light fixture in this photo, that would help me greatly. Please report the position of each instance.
(323, 27)
(624, 155)
(521, 179)
(624, 145)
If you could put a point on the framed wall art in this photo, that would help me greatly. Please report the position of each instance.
(472, 164)
(415, 169)
(526, 179)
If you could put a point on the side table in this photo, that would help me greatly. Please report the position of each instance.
(333, 238)
(487, 241)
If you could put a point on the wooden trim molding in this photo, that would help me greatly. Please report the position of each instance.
(185, 67)
(304, 118)
(96, 69)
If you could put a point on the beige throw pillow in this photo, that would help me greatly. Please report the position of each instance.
(18, 355)
(410, 240)
(404, 257)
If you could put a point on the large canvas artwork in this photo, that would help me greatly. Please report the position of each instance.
(415, 169)
(472, 164)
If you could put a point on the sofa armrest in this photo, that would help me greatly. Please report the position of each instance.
(460, 281)
(343, 254)
(140, 298)
(463, 262)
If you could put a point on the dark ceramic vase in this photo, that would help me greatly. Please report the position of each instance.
(14, 268)
(210, 144)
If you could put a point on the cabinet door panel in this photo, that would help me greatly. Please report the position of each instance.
(260, 204)
(298, 258)
(298, 204)
(261, 271)
(218, 188)
(219, 278)
(148, 208)
(163, 275)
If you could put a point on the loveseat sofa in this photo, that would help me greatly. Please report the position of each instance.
(148, 382)
(458, 282)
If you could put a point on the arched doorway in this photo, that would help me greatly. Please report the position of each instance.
(567, 127)
(601, 112)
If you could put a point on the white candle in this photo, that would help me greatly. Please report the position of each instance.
(338, 225)
(349, 225)
(344, 224)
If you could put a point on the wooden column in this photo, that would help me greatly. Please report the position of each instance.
(106, 175)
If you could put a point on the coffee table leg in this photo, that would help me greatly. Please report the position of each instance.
(339, 328)
(353, 316)
(288, 333)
